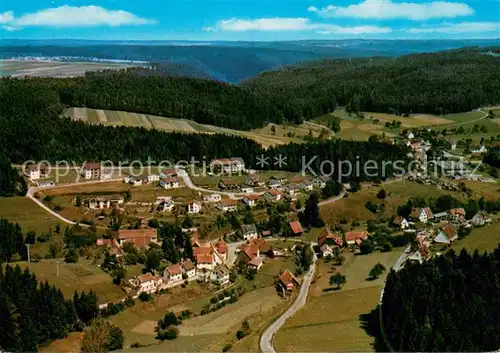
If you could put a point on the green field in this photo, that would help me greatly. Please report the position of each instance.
(81, 276)
(330, 319)
(29, 215)
(120, 118)
(483, 239)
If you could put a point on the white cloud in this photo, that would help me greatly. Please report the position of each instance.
(7, 16)
(74, 16)
(10, 28)
(290, 24)
(386, 9)
(462, 27)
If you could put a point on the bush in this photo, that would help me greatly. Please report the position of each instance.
(144, 297)
(129, 302)
(381, 194)
(240, 334)
(227, 347)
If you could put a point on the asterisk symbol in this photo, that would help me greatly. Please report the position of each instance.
(262, 161)
(280, 161)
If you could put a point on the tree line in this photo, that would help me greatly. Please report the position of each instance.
(34, 313)
(448, 304)
(438, 83)
(11, 183)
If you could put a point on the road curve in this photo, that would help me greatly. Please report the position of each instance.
(267, 338)
(32, 190)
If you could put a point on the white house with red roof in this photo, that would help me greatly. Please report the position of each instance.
(422, 214)
(147, 283)
(173, 273)
(327, 242)
(355, 237)
(227, 205)
(169, 183)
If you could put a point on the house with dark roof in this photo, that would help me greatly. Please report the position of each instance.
(422, 214)
(249, 231)
(446, 235)
(400, 222)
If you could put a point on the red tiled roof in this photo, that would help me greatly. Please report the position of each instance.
(147, 277)
(204, 258)
(92, 166)
(450, 231)
(327, 234)
(170, 171)
(229, 182)
(296, 227)
(256, 261)
(174, 270)
(457, 212)
(136, 233)
(228, 202)
(253, 197)
(106, 242)
(287, 277)
(354, 235)
(221, 247)
(171, 180)
(275, 192)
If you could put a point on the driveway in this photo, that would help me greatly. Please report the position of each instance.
(267, 338)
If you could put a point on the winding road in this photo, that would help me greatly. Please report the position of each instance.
(267, 338)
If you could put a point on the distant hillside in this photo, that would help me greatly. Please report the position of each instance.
(438, 83)
(224, 61)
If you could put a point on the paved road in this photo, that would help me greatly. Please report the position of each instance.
(267, 338)
(33, 190)
(189, 183)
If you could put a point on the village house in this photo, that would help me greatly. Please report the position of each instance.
(288, 281)
(273, 195)
(410, 135)
(166, 206)
(99, 203)
(212, 198)
(320, 181)
(139, 180)
(173, 273)
(139, 237)
(153, 177)
(193, 207)
(246, 189)
(220, 275)
(400, 222)
(422, 214)
(228, 165)
(254, 181)
(227, 205)
(480, 219)
(36, 171)
(147, 283)
(221, 249)
(355, 237)
(482, 149)
(248, 231)
(291, 190)
(91, 170)
(111, 245)
(228, 184)
(265, 249)
(295, 228)
(251, 200)
(168, 173)
(422, 253)
(274, 183)
(446, 235)
(306, 185)
(455, 214)
(249, 255)
(327, 242)
(453, 145)
(169, 183)
(204, 257)
(440, 216)
(189, 269)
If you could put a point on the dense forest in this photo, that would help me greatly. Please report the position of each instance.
(204, 101)
(349, 160)
(449, 304)
(30, 128)
(439, 83)
(11, 183)
(33, 313)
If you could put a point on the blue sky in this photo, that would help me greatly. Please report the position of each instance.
(248, 19)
